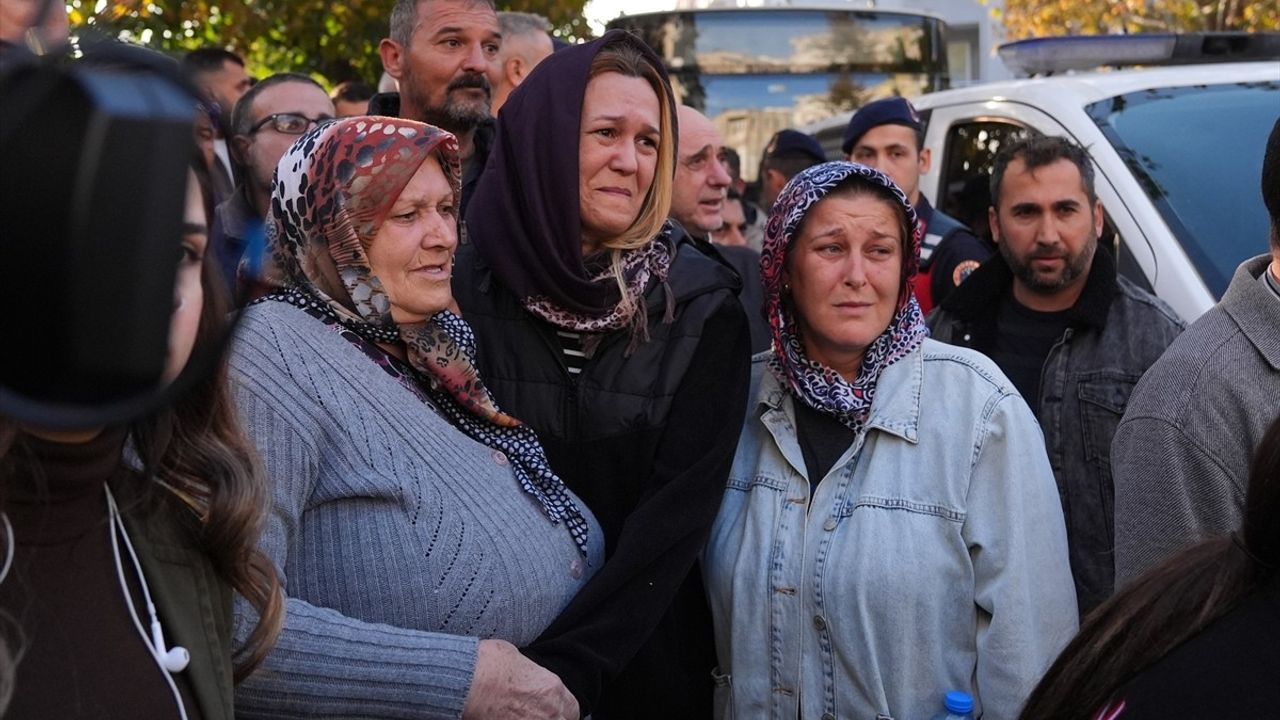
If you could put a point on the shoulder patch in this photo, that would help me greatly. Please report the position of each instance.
(964, 270)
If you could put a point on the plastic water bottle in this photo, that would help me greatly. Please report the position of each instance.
(957, 706)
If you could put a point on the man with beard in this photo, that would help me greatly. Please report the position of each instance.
(442, 53)
(1072, 336)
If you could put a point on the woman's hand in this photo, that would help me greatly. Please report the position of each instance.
(507, 684)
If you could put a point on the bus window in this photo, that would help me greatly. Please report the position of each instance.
(755, 71)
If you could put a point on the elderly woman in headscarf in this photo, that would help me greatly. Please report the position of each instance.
(625, 348)
(420, 531)
(891, 530)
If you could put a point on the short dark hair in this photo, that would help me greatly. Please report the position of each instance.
(734, 161)
(1037, 152)
(241, 118)
(1271, 182)
(404, 18)
(352, 91)
(789, 164)
(208, 60)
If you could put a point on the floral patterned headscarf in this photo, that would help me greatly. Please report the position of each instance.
(817, 385)
(333, 190)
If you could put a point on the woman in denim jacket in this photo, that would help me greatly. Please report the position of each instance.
(891, 529)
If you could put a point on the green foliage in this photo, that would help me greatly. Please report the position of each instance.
(332, 41)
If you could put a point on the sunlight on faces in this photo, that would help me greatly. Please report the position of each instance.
(412, 252)
(845, 269)
(892, 149)
(701, 180)
(445, 72)
(1046, 228)
(617, 155)
(188, 291)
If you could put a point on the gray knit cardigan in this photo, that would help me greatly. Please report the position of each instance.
(401, 541)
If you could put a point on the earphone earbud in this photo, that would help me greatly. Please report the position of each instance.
(174, 659)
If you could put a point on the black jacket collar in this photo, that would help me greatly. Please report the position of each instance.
(974, 301)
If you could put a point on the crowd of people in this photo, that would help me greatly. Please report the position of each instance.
(535, 409)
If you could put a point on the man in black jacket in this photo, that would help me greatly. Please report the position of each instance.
(697, 203)
(1072, 336)
(442, 53)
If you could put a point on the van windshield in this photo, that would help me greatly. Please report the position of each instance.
(1197, 151)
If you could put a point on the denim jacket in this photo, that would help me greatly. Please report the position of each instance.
(932, 556)
(1116, 331)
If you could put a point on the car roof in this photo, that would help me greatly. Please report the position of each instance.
(1087, 87)
(1077, 89)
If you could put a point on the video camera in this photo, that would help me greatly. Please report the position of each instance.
(94, 156)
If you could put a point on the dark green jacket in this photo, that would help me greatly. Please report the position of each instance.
(192, 600)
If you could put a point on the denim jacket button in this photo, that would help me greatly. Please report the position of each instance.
(830, 524)
(819, 622)
(828, 716)
(499, 457)
(575, 569)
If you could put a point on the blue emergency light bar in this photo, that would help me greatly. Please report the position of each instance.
(1048, 55)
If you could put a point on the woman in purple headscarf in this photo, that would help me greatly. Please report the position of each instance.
(625, 348)
(421, 533)
(891, 530)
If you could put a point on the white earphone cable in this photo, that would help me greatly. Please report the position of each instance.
(8, 547)
(117, 527)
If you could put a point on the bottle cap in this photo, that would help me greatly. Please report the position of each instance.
(958, 702)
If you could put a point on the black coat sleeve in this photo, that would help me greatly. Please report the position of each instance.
(604, 626)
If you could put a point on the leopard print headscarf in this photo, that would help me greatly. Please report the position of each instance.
(333, 190)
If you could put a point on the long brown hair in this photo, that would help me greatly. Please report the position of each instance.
(1169, 605)
(195, 456)
(197, 451)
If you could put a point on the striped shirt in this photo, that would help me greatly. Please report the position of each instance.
(571, 346)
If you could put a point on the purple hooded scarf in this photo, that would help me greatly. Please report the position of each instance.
(524, 218)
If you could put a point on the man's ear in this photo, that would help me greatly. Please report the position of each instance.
(926, 160)
(1099, 218)
(994, 221)
(392, 57)
(238, 146)
(514, 70)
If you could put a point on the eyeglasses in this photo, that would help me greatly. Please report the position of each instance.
(289, 123)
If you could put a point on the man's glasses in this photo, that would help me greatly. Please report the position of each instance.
(289, 123)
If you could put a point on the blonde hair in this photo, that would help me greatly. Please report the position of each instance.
(624, 57)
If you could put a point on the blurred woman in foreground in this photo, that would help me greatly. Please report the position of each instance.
(1196, 637)
(120, 546)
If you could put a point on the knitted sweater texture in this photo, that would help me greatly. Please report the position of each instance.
(402, 542)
